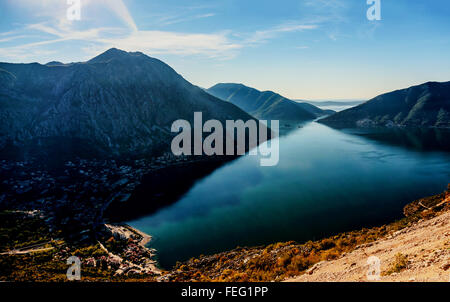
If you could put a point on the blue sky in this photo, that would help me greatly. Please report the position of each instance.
(303, 49)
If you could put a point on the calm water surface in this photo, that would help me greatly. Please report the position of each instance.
(327, 181)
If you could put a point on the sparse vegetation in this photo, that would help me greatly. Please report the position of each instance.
(399, 264)
(17, 231)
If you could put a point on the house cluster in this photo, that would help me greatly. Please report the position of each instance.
(77, 192)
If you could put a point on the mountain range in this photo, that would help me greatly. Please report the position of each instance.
(124, 103)
(329, 103)
(425, 105)
(266, 105)
(118, 103)
(335, 105)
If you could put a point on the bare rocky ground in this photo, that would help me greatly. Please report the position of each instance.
(426, 246)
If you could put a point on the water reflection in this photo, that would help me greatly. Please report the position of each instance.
(327, 181)
(421, 139)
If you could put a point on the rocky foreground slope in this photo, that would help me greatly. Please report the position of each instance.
(418, 253)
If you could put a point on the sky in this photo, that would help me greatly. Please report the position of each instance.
(302, 49)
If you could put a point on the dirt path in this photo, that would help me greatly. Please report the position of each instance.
(20, 252)
(426, 245)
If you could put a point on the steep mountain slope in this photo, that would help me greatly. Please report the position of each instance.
(422, 246)
(265, 105)
(426, 105)
(117, 103)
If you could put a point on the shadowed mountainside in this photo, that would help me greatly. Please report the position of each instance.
(267, 104)
(116, 104)
(426, 105)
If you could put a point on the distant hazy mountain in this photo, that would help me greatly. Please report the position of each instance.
(426, 105)
(117, 103)
(265, 105)
(334, 105)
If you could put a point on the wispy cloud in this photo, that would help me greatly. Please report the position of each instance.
(264, 35)
(16, 54)
(120, 9)
(329, 13)
(11, 38)
(57, 8)
(169, 20)
(57, 29)
(152, 42)
(155, 42)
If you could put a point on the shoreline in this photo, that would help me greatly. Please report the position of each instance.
(146, 238)
(143, 261)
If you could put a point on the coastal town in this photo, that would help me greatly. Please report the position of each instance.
(77, 194)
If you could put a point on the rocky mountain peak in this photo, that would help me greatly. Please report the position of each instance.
(115, 54)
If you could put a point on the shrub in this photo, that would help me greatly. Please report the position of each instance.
(326, 244)
(299, 263)
(399, 264)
